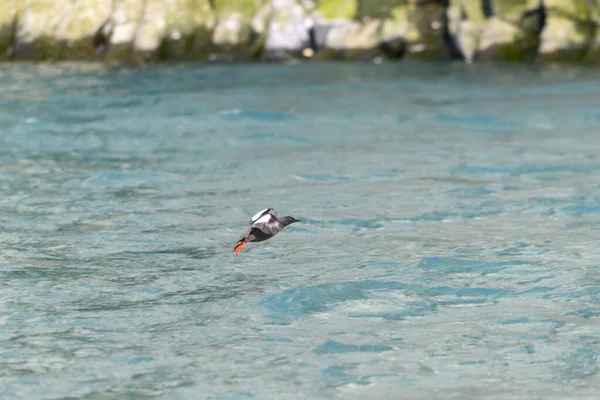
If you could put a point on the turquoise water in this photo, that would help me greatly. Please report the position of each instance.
(448, 249)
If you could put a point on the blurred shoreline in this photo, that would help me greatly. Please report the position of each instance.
(546, 31)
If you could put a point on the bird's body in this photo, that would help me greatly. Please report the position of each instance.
(264, 225)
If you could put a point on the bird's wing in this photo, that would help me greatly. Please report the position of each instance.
(262, 213)
(269, 224)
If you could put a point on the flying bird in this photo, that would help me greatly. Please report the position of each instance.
(264, 225)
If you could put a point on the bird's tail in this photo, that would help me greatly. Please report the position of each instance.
(239, 247)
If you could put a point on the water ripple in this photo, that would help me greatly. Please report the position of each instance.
(447, 248)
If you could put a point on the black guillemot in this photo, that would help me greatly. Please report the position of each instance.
(264, 225)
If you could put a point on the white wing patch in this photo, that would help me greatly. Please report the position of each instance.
(258, 215)
(265, 219)
(262, 213)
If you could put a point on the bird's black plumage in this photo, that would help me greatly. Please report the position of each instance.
(263, 225)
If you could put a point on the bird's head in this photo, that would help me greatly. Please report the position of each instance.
(285, 221)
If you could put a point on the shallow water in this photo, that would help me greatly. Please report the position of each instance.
(448, 249)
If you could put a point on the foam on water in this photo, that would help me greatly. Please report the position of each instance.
(447, 248)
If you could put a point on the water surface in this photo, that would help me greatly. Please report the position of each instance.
(449, 244)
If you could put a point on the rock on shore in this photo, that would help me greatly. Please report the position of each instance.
(146, 30)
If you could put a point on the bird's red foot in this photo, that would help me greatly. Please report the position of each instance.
(239, 247)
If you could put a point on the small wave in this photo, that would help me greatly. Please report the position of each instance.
(580, 210)
(332, 347)
(257, 115)
(465, 169)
